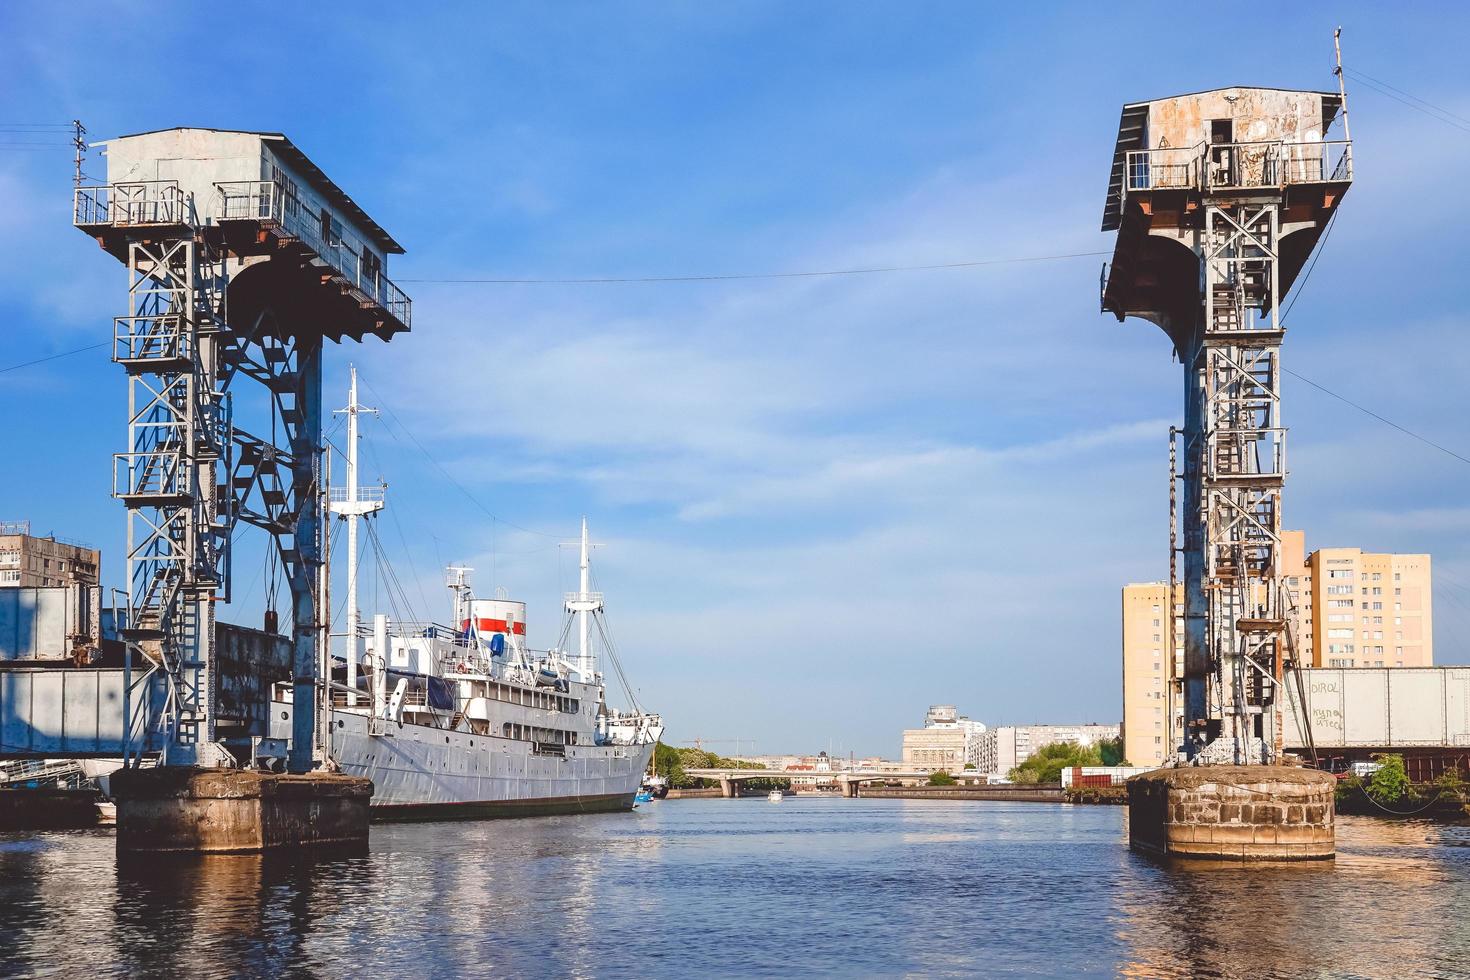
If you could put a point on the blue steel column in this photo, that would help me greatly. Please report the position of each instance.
(305, 633)
(1196, 607)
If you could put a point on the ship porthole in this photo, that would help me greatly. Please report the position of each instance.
(341, 723)
(285, 715)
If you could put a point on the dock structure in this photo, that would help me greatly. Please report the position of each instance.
(243, 259)
(1218, 199)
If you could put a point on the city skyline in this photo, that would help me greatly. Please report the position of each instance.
(804, 478)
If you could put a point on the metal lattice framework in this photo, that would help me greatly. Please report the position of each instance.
(190, 476)
(178, 434)
(1236, 630)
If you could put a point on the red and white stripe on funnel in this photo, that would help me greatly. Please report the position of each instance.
(490, 616)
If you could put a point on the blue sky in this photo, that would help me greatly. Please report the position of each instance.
(826, 503)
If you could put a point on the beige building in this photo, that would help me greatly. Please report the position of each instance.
(948, 741)
(1359, 609)
(1353, 609)
(1152, 643)
(28, 561)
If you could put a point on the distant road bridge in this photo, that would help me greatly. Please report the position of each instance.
(849, 781)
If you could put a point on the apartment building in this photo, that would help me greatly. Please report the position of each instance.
(1361, 609)
(28, 561)
(1351, 608)
(1153, 644)
(1004, 747)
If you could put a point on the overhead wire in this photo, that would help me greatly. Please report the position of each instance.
(445, 472)
(727, 277)
(1412, 101)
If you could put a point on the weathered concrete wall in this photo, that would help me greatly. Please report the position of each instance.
(176, 809)
(1259, 114)
(1235, 813)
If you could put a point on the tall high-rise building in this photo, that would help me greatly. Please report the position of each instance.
(29, 561)
(1361, 609)
(1152, 643)
(1351, 609)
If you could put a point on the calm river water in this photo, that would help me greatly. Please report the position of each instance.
(746, 888)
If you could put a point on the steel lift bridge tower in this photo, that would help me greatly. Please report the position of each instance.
(1218, 199)
(243, 257)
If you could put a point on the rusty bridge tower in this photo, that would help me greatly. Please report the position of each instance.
(242, 259)
(1218, 199)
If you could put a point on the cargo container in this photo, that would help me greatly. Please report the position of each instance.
(1379, 708)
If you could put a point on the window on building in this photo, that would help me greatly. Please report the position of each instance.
(1396, 576)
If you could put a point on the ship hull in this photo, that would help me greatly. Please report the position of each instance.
(425, 773)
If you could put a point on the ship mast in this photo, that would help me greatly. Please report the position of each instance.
(584, 603)
(352, 503)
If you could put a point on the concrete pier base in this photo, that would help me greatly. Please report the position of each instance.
(222, 811)
(1233, 813)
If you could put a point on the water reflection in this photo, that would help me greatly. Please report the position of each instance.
(1388, 906)
(697, 887)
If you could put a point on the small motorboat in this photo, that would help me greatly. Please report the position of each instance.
(775, 796)
(642, 796)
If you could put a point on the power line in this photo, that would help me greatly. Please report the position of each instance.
(52, 357)
(1369, 411)
(712, 277)
(1316, 254)
(447, 475)
(1413, 102)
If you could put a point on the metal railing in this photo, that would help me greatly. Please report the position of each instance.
(1166, 167)
(365, 495)
(1262, 450)
(151, 338)
(143, 202)
(269, 200)
(150, 474)
(163, 202)
(1270, 163)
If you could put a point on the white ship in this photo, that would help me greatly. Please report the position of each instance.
(464, 720)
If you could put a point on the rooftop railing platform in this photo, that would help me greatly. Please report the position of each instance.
(251, 216)
(1238, 166)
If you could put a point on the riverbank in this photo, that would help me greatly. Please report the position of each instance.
(1013, 794)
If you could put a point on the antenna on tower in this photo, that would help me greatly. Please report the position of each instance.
(1341, 83)
(78, 131)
